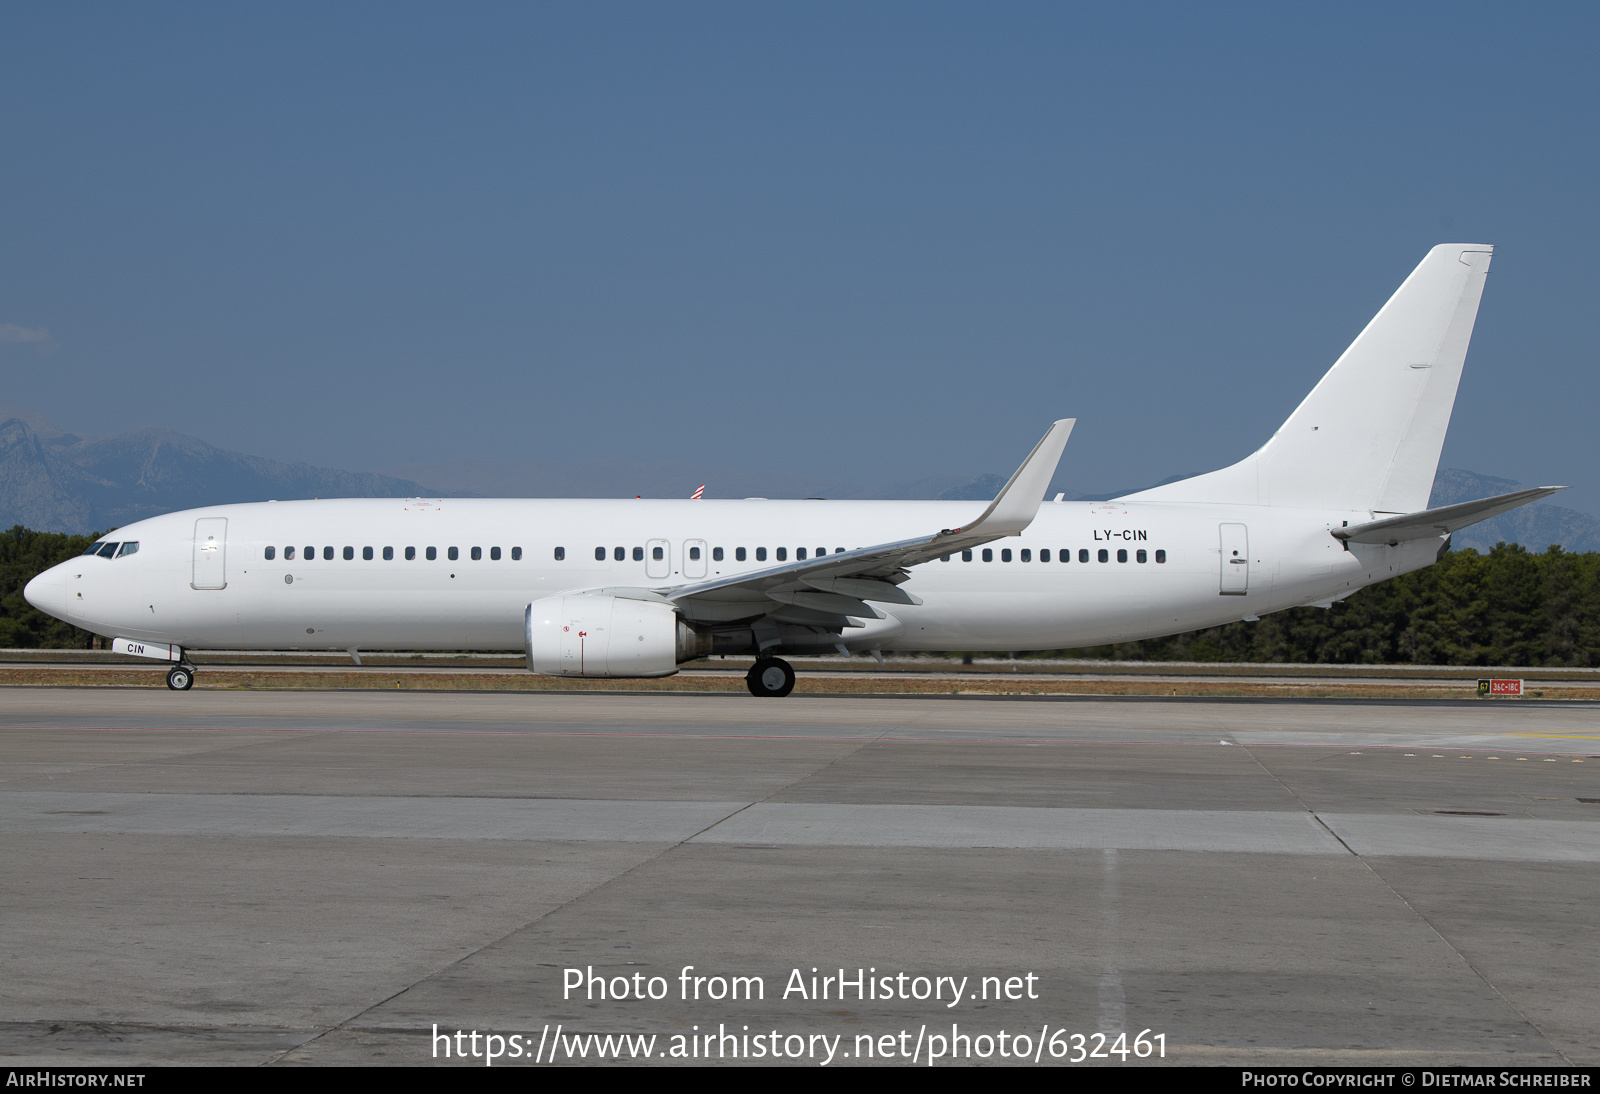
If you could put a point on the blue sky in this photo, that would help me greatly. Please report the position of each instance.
(876, 241)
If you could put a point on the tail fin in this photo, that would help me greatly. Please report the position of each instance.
(1369, 434)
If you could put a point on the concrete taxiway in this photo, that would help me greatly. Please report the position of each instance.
(323, 877)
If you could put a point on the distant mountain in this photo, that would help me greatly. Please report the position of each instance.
(664, 479)
(53, 481)
(611, 478)
(982, 488)
(985, 487)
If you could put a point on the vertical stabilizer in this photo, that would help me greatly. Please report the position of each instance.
(1368, 436)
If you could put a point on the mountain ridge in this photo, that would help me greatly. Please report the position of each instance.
(52, 480)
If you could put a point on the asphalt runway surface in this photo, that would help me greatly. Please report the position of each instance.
(312, 877)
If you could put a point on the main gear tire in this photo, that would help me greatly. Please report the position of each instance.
(770, 678)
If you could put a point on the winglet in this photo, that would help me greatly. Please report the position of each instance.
(1014, 508)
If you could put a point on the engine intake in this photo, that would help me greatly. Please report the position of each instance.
(609, 636)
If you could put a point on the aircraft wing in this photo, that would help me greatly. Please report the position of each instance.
(828, 589)
(1441, 521)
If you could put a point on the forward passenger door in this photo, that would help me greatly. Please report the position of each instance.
(210, 550)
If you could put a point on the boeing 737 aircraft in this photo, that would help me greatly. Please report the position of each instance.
(1334, 501)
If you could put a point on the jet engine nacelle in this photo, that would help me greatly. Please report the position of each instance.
(609, 636)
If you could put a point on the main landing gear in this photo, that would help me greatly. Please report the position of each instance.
(770, 677)
(180, 677)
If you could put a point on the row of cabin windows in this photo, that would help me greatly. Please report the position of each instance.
(781, 554)
(740, 554)
(1065, 555)
(658, 554)
(430, 553)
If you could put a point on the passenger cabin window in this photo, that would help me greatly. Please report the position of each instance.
(966, 556)
(516, 553)
(1005, 555)
(477, 554)
(761, 554)
(694, 554)
(988, 555)
(411, 554)
(1044, 555)
(716, 554)
(1083, 554)
(1122, 555)
(658, 553)
(561, 553)
(432, 553)
(288, 553)
(350, 554)
(1141, 556)
(599, 554)
(800, 554)
(638, 554)
(1161, 556)
(1104, 555)
(494, 554)
(738, 554)
(311, 553)
(388, 554)
(1025, 555)
(783, 554)
(366, 554)
(327, 554)
(453, 553)
(270, 553)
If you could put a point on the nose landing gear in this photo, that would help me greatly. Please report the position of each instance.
(770, 677)
(180, 677)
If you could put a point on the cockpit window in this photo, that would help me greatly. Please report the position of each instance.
(108, 550)
(93, 549)
(129, 548)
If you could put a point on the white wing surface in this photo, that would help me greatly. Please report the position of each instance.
(829, 589)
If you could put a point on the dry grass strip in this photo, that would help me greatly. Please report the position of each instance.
(312, 679)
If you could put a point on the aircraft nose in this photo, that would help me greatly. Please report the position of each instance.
(48, 592)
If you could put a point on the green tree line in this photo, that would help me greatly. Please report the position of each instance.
(1507, 607)
(23, 554)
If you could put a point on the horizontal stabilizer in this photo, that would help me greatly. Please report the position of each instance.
(1441, 521)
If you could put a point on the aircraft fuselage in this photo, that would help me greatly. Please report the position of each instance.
(1152, 569)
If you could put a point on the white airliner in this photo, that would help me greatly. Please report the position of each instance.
(1335, 501)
